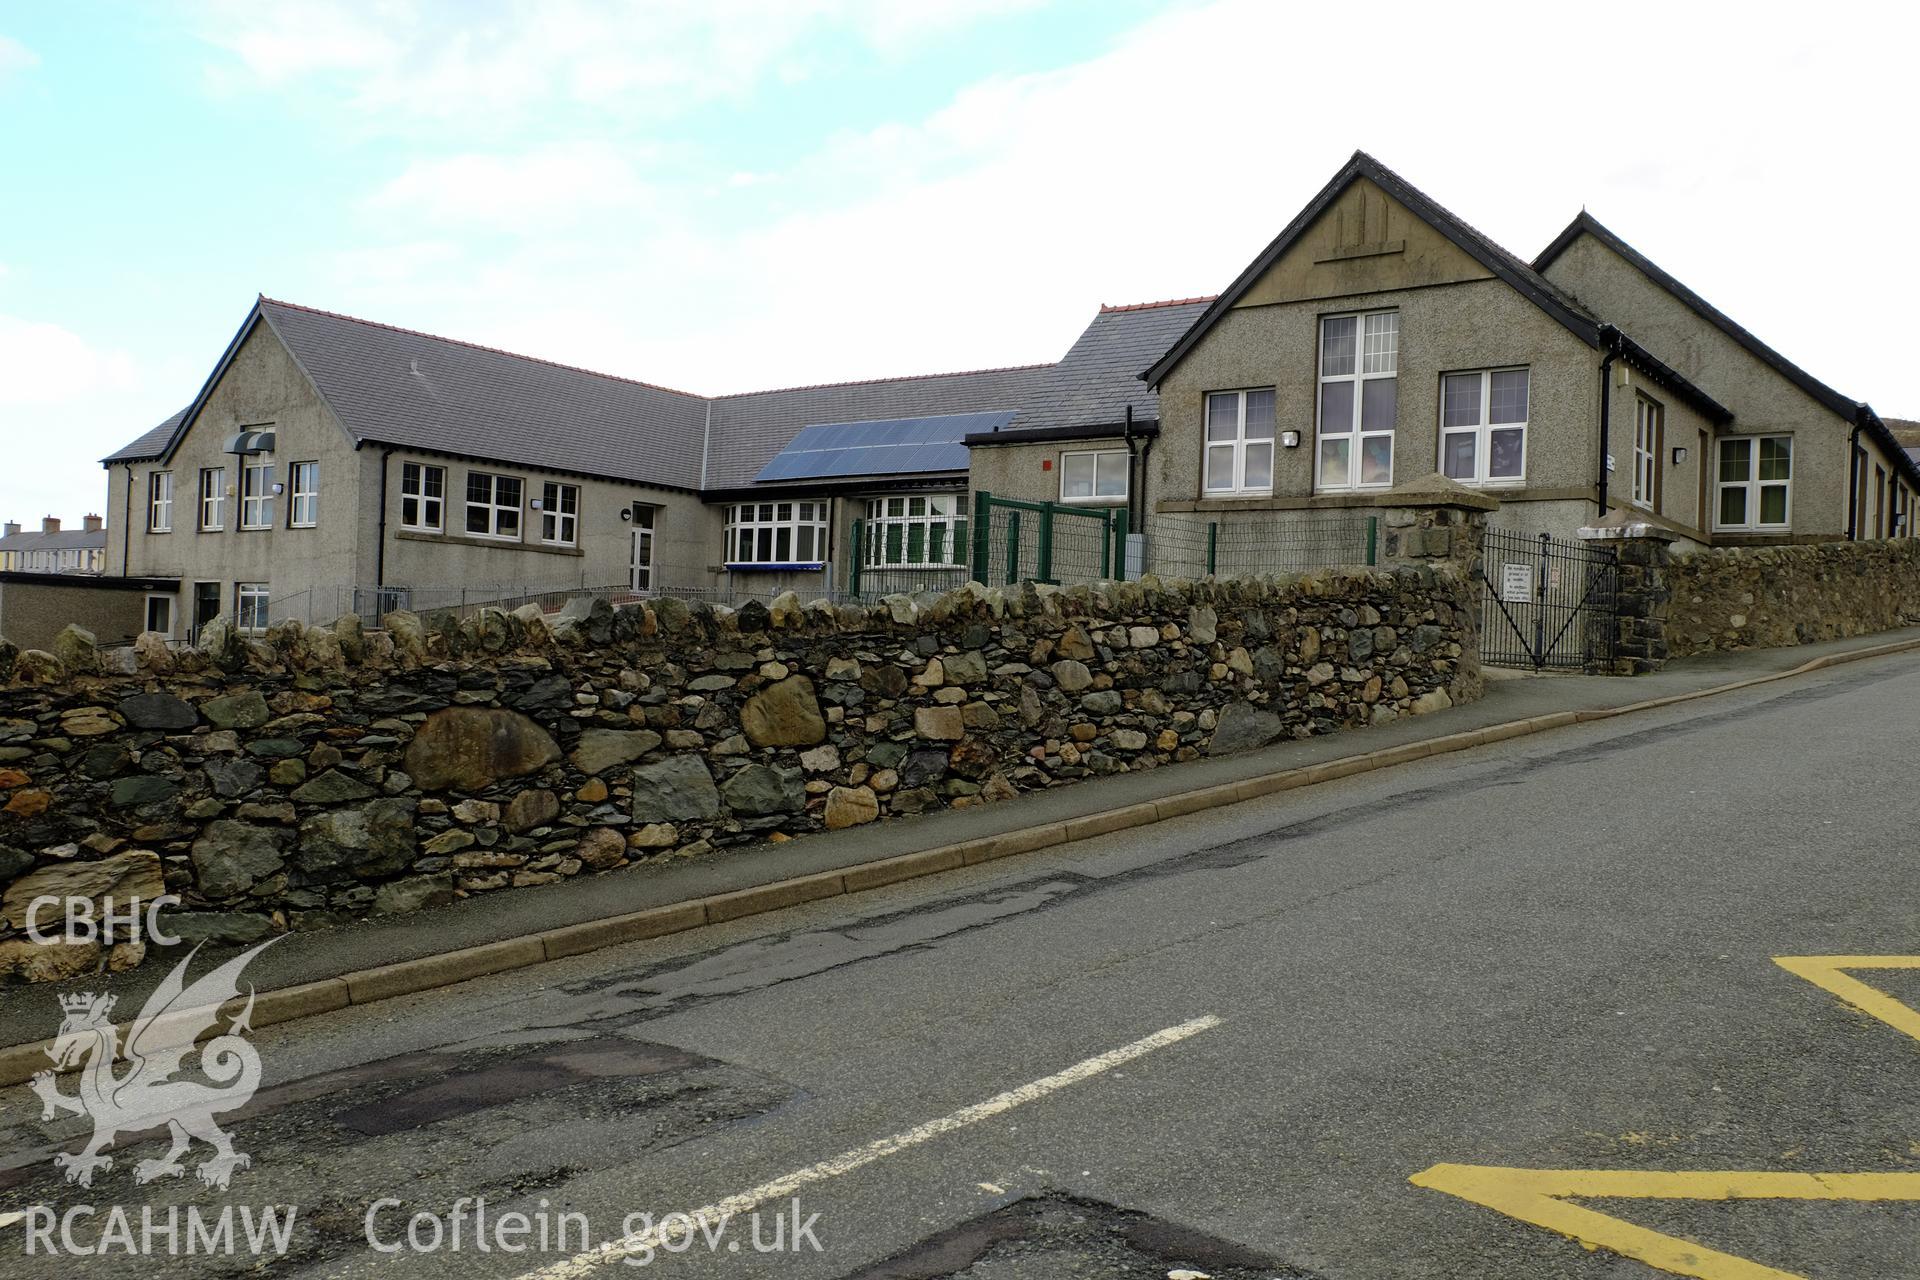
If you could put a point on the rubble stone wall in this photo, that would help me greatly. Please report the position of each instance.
(313, 776)
(1761, 597)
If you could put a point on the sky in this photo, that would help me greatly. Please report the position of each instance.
(724, 195)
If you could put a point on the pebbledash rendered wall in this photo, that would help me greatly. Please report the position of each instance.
(318, 775)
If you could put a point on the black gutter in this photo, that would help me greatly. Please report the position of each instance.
(1610, 340)
(1047, 435)
(126, 524)
(1854, 472)
(380, 539)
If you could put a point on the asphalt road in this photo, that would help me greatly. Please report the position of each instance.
(1223, 1043)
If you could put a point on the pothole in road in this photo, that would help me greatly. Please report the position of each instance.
(1051, 1236)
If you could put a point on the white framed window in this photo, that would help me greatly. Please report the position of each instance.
(213, 500)
(1096, 475)
(250, 605)
(783, 533)
(915, 531)
(1753, 483)
(256, 492)
(423, 497)
(160, 615)
(303, 511)
(1359, 399)
(160, 502)
(493, 505)
(1483, 426)
(560, 514)
(1649, 437)
(641, 565)
(1240, 441)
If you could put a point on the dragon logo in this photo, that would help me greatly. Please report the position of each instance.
(146, 1095)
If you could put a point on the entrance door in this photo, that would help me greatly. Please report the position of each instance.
(641, 568)
(206, 605)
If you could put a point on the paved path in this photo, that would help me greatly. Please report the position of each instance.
(1224, 1042)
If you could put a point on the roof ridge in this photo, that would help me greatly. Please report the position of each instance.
(905, 377)
(1108, 308)
(481, 346)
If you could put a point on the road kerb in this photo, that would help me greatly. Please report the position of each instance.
(18, 1063)
(636, 926)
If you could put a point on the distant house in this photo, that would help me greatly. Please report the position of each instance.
(53, 549)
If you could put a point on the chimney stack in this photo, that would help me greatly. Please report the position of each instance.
(91, 523)
(49, 524)
(11, 527)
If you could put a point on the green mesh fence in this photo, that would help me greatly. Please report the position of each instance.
(1183, 545)
(1017, 542)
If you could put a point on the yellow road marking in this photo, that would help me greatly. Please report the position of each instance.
(1538, 1196)
(1828, 973)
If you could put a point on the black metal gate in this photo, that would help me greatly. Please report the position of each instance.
(1548, 602)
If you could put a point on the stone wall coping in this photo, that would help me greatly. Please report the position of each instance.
(1436, 490)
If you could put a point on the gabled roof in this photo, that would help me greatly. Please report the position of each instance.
(1502, 264)
(1854, 411)
(65, 540)
(1587, 224)
(152, 444)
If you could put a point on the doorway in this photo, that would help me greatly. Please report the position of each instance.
(206, 605)
(640, 570)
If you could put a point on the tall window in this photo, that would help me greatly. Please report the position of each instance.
(256, 493)
(560, 514)
(493, 505)
(250, 605)
(160, 502)
(760, 533)
(1359, 394)
(1754, 483)
(213, 499)
(643, 529)
(423, 497)
(1240, 441)
(915, 532)
(1649, 438)
(1483, 426)
(1098, 475)
(303, 512)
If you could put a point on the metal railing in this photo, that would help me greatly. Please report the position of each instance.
(1548, 603)
(1016, 541)
(1185, 545)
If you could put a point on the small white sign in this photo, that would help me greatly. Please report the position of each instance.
(1609, 463)
(1516, 583)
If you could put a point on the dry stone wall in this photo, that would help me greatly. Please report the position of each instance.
(318, 775)
(1761, 597)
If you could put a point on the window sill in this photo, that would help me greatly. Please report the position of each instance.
(1109, 501)
(793, 566)
(493, 544)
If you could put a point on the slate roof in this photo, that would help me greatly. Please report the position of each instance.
(65, 540)
(1097, 381)
(394, 386)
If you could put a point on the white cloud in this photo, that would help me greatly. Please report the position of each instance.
(15, 56)
(405, 62)
(42, 363)
(986, 232)
(539, 190)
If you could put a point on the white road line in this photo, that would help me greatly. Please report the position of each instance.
(675, 1226)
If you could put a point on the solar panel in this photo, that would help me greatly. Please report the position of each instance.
(890, 447)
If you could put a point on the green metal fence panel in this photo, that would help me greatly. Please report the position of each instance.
(1193, 545)
(1016, 541)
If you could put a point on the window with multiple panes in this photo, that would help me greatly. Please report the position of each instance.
(1753, 483)
(423, 497)
(776, 533)
(1240, 441)
(1359, 394)
(256, 493)
(213, 498)
(1483, 426)
(493, 505)
(250, 605)
(560, 514)
(303, 507)
(1096, 475)
(160, 502)
(643, 529)
(1649, 437)
(914, 531)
